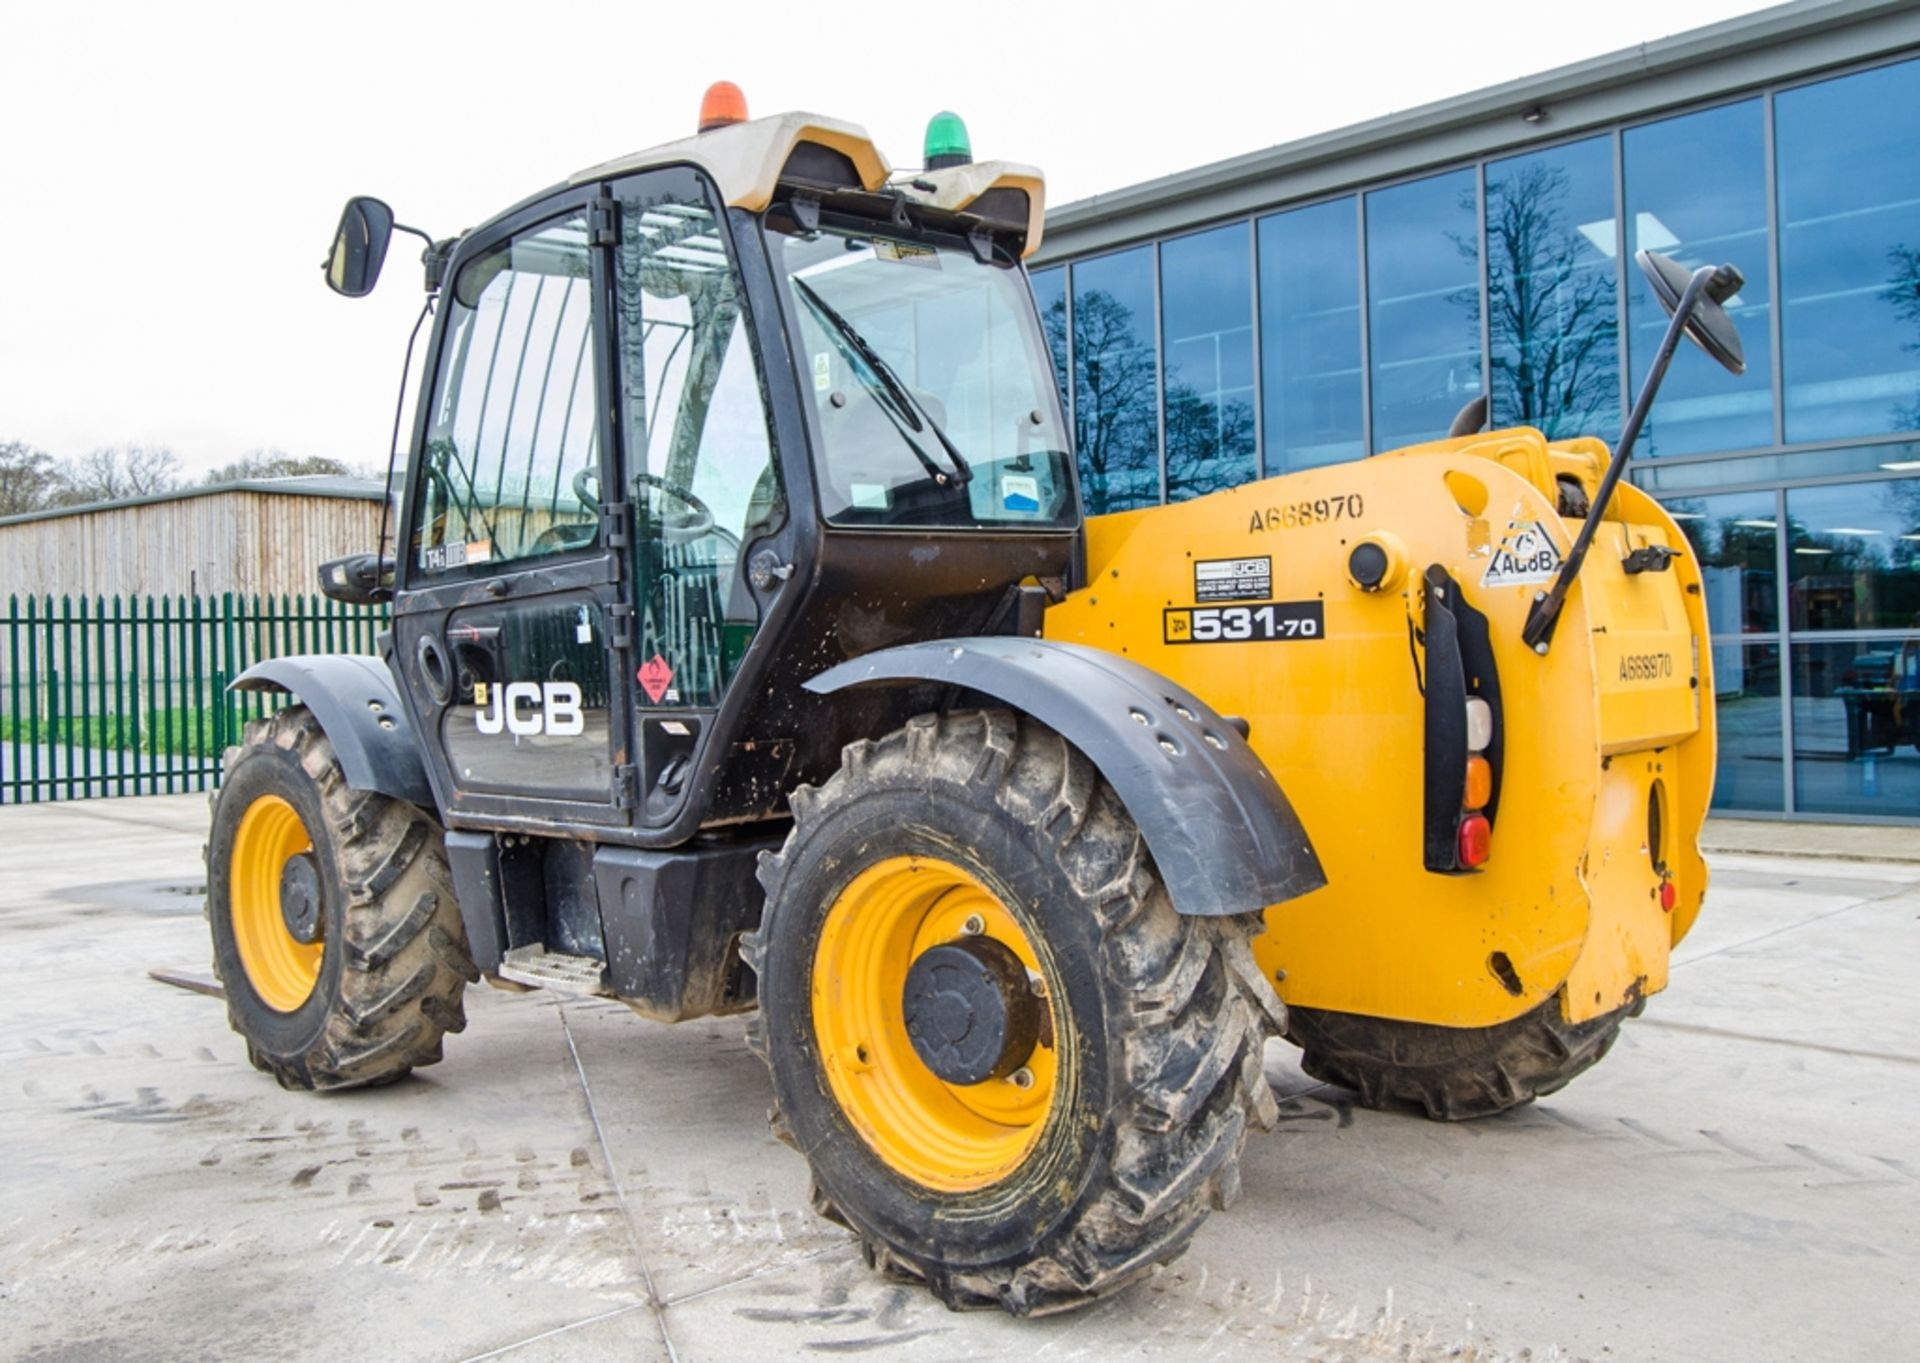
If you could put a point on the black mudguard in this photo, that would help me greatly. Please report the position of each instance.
(1221, 831)
(354, 699)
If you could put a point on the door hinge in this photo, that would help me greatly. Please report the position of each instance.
(626, 786)
(613, 525)
(603, 222)
(620, 626)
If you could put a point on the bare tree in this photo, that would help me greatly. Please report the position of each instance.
(1209, 442)
(1903, 292)
(28, 478)
(1114, 382)
(1552, 322)
(116, 473)
(277, 463)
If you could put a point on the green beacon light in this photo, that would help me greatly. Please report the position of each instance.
(947, 143)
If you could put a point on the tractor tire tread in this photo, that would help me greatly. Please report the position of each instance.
(405, 964)
(1452, 1074)
(1188, 1011)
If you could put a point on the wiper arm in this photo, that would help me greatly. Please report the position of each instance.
(899, 400)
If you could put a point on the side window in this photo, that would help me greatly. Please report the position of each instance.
(511, 455)
(700, 472)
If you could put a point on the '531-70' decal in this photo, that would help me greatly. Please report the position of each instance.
(1270, 622)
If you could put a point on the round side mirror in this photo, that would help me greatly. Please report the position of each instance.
(359, 247)
(1709, 327)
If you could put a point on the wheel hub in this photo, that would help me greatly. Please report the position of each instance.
(300, 898)
(970, 1012)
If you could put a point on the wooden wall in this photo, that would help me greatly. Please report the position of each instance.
(238, 541)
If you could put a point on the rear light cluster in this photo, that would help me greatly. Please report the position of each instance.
(1476, 831)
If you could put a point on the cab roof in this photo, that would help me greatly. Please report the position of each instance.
(749, 160)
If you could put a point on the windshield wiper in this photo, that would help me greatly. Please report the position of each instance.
(899, 402)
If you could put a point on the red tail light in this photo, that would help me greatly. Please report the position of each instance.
(1667, 893)
(1476, 841)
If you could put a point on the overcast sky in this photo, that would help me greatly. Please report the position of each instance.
(172, 172)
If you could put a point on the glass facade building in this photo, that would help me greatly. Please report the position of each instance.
(1306, 330)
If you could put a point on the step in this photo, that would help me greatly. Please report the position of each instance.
(557, 970)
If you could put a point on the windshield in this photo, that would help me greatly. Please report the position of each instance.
(933, 395)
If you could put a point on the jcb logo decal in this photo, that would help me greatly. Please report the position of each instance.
(523, 708)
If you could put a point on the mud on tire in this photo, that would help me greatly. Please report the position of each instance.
(1452, 1073)
(394, 963)
(1163, 1018)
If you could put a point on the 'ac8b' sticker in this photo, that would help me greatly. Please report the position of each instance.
(1273, 622)
(1526, 553)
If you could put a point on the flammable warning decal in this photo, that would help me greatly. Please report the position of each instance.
(1526, 553)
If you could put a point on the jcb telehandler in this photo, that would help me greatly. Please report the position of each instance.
(749, 651)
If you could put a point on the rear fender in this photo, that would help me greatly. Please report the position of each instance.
(354, 699)
(1221, 831)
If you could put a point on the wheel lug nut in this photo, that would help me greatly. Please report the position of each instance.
(974, 926)
(1021, 1078)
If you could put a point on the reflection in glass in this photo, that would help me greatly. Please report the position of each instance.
(1116, 428)
(1423, 300)
(1733, 539)
(1206, 312)
(1310, 336)
(513, 429)
(1856, 727)
(1050, 298)
(1849, 162)
(1853, 555)
(1746, 684)
(1697, 191)
(1551, 291)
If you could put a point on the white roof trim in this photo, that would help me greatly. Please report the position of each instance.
(745, 159)
(957, 186)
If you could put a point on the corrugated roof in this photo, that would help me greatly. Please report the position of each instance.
(306, 485)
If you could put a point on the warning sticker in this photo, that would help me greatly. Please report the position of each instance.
(655, 675)
(1526, 554)
(1232, 579)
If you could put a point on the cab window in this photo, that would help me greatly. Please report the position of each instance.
(508, 468)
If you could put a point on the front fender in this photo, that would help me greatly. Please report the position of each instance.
(353, 697)
(1221, 831)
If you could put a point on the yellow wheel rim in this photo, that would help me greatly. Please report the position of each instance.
(282, 969)
(948, 1137)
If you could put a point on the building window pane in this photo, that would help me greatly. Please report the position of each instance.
(1849, 168)
(1552, 291)
(1853, 559)
(1856, 727)
(1423, 306)
(1206, 312)
(1116, 428)
(1310, 336)
(1697, 191)
(1746, 684)
(1050, 297)
(1733, 539)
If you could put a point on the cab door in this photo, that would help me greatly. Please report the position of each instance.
(505, 624)
(700, 483)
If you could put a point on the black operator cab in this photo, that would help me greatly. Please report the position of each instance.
(698, 425)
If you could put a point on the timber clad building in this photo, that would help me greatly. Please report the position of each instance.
(1352, 291)
(261, 536)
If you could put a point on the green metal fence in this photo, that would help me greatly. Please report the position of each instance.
(128, 696)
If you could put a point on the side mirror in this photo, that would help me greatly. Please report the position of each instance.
(358, 580)
(359, 247)
(1708, 326)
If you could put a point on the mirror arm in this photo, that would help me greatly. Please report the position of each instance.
(1544, 615)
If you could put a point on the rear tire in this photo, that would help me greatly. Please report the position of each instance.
(1452, 1073)
(369, 993)
(1156, 1022)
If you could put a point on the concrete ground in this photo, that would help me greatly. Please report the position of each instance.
(1739, 1180)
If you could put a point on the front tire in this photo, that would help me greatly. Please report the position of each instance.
(1125, 1118)
(336, 935)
